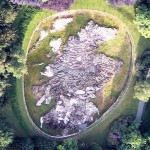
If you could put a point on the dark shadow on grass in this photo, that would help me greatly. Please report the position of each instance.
(145, 124)
(143, 44)
(16, 109)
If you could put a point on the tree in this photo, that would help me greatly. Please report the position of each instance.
(142, 20)
(58, 5)
(17, 65)
(7, 35)
(44, 144)
(17, 69)
(143, 65)
(60, 147)
(117, 3)
(132, 138)
(116, 130)
(95, 146)
(12, 31)
(8, 14)
(3, 85)
(142, 91)
(22, 143)
(6, 134)
(68, 144)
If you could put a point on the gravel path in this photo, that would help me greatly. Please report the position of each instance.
(140, 111)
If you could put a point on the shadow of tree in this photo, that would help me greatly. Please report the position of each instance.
(143, 44)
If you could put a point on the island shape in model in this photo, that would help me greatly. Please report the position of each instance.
(74, 78)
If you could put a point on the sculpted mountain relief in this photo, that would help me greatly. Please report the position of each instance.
(74, 78)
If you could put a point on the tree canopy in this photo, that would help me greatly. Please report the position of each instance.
(8, 15)
(13, 23)
(132, 138)
(44, 144)
(116, 130)
(142, 20)
(6, 134)
(17, 65)
(22, 143)
(142, 91)
(68, 144)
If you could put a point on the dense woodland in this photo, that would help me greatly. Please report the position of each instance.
(12, 58)
(124, 133)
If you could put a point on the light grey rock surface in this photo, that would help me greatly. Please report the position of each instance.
(48, 72)
(60, 24)
(55, 44)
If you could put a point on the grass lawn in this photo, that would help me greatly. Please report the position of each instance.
(128, 106)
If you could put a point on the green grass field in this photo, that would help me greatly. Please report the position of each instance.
(16, 114)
